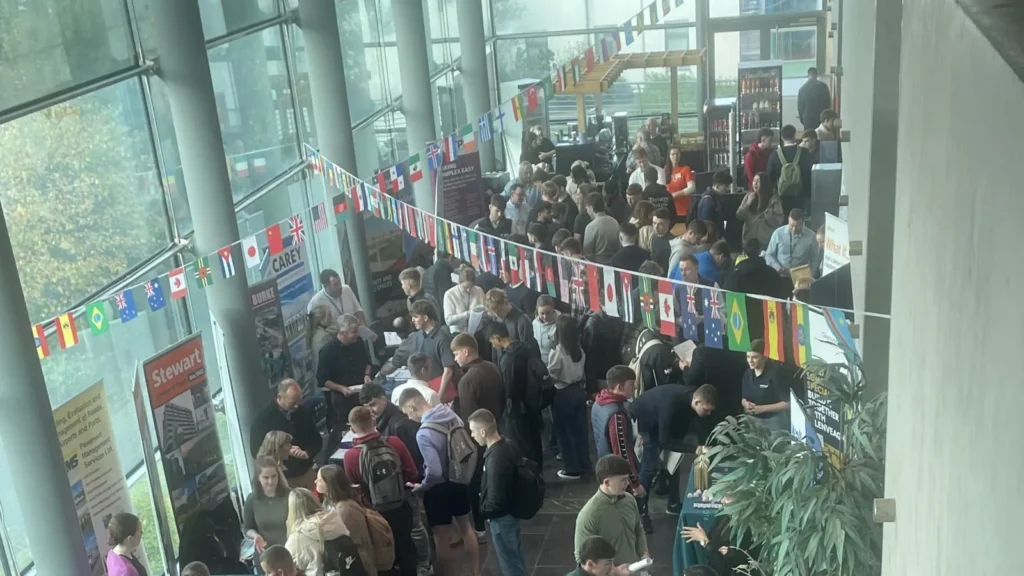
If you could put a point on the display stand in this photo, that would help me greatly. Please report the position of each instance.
(759, 98)
(717, 132)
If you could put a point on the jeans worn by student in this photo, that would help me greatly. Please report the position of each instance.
(650, 465)
(572, 428)
(507, 541)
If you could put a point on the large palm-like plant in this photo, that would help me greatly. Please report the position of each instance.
(807, 515)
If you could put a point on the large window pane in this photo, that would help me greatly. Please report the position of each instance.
(220, 17)
(81, 195)
(46, 45)
(725, 8)
(615, 12)
(365, 67)
(519, 16)
(254, 104)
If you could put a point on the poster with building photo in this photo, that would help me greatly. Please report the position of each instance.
(179, 396)
(94, 468)
(275, 356)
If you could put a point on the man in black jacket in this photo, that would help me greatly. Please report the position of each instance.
(812, 99)
(754, 276)
(438, 278)
(287, 414)
(663, 416)
(497, 489)
(523, 423)
(390, 421)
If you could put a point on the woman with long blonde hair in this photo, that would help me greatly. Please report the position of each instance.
(310, 527)
(277, 445)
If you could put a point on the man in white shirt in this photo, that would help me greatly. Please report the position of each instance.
(642, 162)
(419, 371)
(339, 299)
(544, 325)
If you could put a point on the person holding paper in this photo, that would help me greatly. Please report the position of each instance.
(765, 395)
(791, 245)
(460, 301)
(344, 362)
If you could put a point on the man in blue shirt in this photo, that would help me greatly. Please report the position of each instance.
(518, 209)
(791, 245)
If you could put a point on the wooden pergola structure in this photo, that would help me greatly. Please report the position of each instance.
(604, 75)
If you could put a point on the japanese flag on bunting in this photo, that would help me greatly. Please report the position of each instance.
(594, 287)
(666, 308)
(611, 301)
(251, 252)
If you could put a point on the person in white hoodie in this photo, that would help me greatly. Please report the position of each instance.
(310, 527)
(566, 365)
(461, 300)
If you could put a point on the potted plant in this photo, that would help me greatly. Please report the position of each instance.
(802, 513)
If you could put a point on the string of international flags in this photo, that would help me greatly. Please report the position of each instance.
(579, 284)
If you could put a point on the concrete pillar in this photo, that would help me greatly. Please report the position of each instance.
(475, 89)
(185, 70)
(318, 20)
(30, 438)
(414, 69)
(871, 110)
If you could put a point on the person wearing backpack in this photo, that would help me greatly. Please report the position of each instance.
(498, 491)
(525, 378)
(449, 463)
(613, 431)
(383, 468)
(790, 170)
(708, 208)
(566, 364)
(365, 526)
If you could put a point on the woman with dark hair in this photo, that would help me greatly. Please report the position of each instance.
(760, 210)
(125, 531)
(578, 176)
(566, 364)
(536, 147)
(643, 218)
(338, 494)
(266, 509)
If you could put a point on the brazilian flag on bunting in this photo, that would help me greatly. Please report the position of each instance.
(736, 322)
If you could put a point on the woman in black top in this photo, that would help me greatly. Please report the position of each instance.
(536, 147)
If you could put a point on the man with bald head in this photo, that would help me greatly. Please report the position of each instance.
(287, 414)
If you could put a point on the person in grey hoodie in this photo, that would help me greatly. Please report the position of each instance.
(566, 364)
(443, 500)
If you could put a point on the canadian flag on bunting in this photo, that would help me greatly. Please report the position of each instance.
(611, 302)
(594, 287)
(666, 308)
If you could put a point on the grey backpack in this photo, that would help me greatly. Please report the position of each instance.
(381, 470)
(462, 452)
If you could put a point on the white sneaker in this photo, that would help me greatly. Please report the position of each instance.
(481, 536)
(566, 476)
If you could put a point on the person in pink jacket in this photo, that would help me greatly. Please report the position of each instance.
(125, 531)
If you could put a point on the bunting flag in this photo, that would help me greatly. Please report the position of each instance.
(689, 312)
(801, 333)
(500, 117)
(559, 76)
(627, 31)
(578, 288)
(712, 318)
(227, 262)
(736, 311)
(594, 288)
(397, 179)
(451, 147)
(564, 279)
(773, 329)
(492, 257)
(296, 230)
(96, 314)
(590, 59)
(640, 22)
(358, 200)
(275, 243)
(538, 270)
(251, 252)
(155, 295)
(516, 112)
(448, 243)
(666, 308)
(484, 124)
(314, 162)
(532, 98)
(666, 7)
(549, 276)
(341, 209)
(611, 288)
(67, 334)
(431, 230)
(606, 53)
(679, 3)
(576, 76)
(512, 256)
(126, 305)
(204, 277)
(652, 12)
(840, 327)
(627, 297)
(467, 139)
(382, 180)
(526, 271)
(179, 288)
(648, 302)
(434, 157)
(415, 169)
(42, 346)
(369, 196)
(320, 217)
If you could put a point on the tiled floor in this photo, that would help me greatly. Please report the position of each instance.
(548, 537)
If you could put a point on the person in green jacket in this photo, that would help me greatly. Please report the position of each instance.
(612, 513)
(597, 558)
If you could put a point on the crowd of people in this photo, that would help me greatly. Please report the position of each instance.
(499, 379)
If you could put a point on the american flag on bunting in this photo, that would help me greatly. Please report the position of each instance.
(319, 218)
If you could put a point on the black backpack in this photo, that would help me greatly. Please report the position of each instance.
(540, 388)
(528, 496)
(341, 555)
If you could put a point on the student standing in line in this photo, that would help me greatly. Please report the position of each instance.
(613, 430)
(597, 558)
(612, 513)
(497, 491)
(566, 363)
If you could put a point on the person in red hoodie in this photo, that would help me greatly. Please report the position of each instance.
(758, 155)
(613, 431)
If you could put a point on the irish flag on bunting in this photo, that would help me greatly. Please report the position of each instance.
(773, 330)
(468, 139)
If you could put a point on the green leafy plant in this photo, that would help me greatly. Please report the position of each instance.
(804, 513)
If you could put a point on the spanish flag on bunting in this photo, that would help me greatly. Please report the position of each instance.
(67, 334)
(773, 330)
